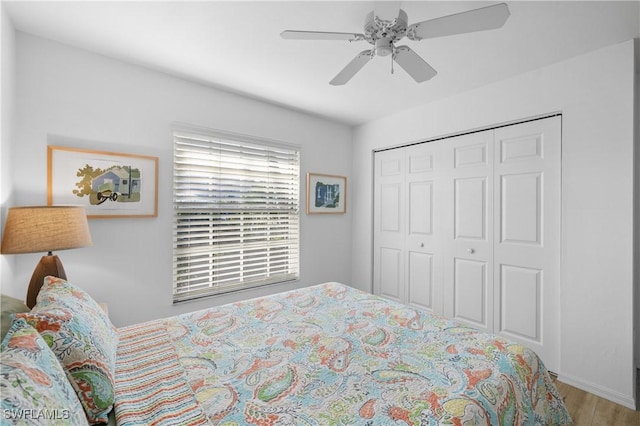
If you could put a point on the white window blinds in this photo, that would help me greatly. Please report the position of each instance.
(236, 214)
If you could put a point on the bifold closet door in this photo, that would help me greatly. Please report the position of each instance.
(469, 227)
(389, 225)
(527, 235)
(424, 227)
(407, 227)
(467, 246)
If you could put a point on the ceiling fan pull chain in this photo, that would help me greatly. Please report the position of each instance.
(393, 58)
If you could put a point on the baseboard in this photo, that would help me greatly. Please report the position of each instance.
(613, 396)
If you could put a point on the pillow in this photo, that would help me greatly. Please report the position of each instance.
(61, 291)
(84, 340)
(8, 307)
(33, 386)
(56, 292)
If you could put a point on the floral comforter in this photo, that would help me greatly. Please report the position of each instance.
(327, 355)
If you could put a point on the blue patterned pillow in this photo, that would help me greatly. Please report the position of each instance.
(84, 340)
(59, 292)
(34, 388)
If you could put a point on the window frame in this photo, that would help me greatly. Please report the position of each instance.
(285, 216)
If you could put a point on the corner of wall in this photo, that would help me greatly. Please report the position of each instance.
(7, 95)
(636, 197)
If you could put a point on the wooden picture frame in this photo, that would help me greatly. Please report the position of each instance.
(326, 194)
(106, 184)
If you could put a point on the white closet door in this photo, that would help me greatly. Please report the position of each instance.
(527, 237)
(424, 256)
(389, 225)
(469, 227)
(468, 231)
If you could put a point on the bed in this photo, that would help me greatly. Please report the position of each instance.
(323, 355)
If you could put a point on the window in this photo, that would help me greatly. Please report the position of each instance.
(236, 214)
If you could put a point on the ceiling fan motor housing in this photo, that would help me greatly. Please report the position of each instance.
(382, 34)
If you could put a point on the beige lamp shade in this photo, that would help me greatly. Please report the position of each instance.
(45, 229)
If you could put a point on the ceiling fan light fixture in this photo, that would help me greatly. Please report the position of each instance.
(384, 46)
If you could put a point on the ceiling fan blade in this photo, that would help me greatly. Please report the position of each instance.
(352, 68)
(485, 18)
(320, 35)
(413, 64)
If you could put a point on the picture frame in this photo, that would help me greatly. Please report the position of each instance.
(107, 184)
(326, 194)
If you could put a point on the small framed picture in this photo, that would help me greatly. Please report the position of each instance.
(326, 194)
(106, 184)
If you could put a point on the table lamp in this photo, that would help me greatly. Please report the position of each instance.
(44, 229)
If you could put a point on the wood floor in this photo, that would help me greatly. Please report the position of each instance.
(589, 410)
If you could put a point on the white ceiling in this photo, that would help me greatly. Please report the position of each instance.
(236, 45)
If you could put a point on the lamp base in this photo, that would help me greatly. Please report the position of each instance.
(49, 265)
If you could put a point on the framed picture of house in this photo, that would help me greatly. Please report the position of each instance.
(106, 184)
(326, 194)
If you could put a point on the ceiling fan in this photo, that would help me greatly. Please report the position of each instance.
(383, 34)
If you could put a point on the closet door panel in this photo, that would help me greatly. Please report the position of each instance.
(527, 241)
(467, 243)
(521, 209)
(390, 209)
(471, 154)
(470, 291)
(391, 285)
(421, 208)
(420, 259)
(521, 309)
(421, 283)
(389, 225)
(424, 270)
(470, 208)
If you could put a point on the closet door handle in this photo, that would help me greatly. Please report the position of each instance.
(421, 244)
(471, 251)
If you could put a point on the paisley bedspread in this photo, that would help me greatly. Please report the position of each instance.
(327, 355)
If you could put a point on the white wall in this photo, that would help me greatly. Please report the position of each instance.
(90, 101)
(594, 92)
(7, 105)
(636, 287)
